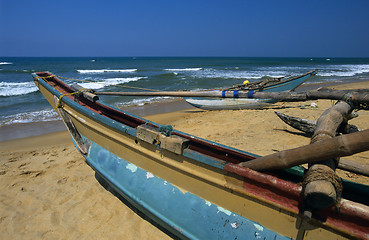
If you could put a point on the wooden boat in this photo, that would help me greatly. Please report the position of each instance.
(194, 187)
(278, 85)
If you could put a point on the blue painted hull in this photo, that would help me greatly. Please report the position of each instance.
(184, 214)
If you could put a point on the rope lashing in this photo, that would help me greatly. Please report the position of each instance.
(69, 94)
(235, 93)
(44, 78)
(166, 130)
(322, 174)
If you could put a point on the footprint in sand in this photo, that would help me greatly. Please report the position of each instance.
(23, 164)
(28, 173)
(63, 180)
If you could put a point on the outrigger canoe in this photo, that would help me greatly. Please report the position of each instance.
(194, 187)
(280, 85)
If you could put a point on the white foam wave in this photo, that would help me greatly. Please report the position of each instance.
(27, 117)
(109, 82)
(13, 89)
(99, 71)
(344, 70)
(231, 74)
(5, 63)
(141, 102)
(182, 69)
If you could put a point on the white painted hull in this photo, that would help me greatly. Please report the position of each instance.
(229, 103)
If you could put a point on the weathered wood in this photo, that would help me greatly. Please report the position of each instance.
(321, 186)
(324, 89)
(339, 146)
(81, 145)
(308, 126)
(89, 95)
(304, 125)
(352, 97)
(355, 167)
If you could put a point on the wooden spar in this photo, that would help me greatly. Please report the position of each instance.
(324, 89)
(321, 186)
(340, 146)
(90, 96)
(354, 167)
(308, 126)
(305, 125)
(355, 97)
(216, 94)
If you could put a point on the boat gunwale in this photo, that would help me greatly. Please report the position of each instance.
(97, 116)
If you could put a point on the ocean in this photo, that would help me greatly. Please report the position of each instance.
(21, 102)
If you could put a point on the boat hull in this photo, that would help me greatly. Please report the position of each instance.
(242, 103)
(229, 103)
(192, 194)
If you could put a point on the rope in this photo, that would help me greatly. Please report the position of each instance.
(326, 175)
(166, 130)
(69, 94)
(44, 78)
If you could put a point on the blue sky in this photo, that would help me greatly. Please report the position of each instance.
(283, 28)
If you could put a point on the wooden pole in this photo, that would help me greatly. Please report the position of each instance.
(321, 186)
(354, 167)
(340, 146)
(354, 97)
(308, 126)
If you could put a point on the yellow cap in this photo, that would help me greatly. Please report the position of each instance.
(246, 82)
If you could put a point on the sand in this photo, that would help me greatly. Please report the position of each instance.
(49, 192)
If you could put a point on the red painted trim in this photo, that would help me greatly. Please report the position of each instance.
(348, 218)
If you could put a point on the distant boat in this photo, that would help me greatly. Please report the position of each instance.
(193, 187)
(267, 85)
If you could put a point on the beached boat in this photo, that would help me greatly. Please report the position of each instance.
(194, 187)
(274, 85)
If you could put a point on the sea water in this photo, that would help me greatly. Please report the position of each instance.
(21, 101)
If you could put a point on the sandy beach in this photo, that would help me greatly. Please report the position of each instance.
(49, 192)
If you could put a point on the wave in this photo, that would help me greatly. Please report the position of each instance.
(27, 117)
(14, 89)
(99, 71)
(344, 70)
(238, 74)
(16, 71)
(5, 63)
(183, 69)
(109, 82)
(141, 102)
(166, 75)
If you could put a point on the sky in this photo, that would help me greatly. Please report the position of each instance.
(228, 28)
